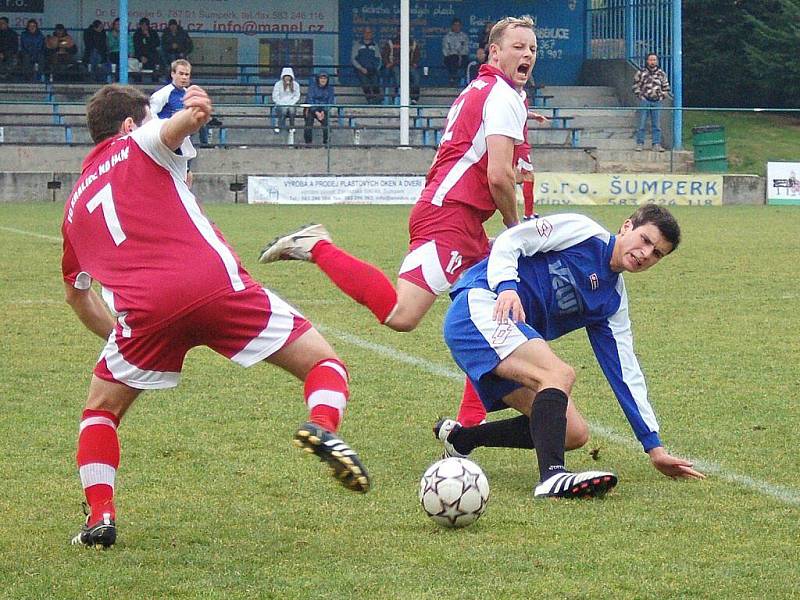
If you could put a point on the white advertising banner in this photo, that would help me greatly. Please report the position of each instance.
(783, 183)
(334, 190)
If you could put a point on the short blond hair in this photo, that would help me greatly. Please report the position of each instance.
(506, 23)
(180, 62)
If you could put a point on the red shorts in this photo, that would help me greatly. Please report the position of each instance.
(445, 241)
(246, 327)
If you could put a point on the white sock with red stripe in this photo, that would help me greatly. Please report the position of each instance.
(98, 460)
(326, 393)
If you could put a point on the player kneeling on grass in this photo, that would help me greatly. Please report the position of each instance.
(173, 283)
(543, 279)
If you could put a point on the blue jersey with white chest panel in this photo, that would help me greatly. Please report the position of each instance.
(167, 101)
(560, 267)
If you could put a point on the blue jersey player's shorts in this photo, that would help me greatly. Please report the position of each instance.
(478, 343)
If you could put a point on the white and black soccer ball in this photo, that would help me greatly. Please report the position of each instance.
(454, 492)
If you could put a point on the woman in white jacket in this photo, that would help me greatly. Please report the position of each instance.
(285, 94)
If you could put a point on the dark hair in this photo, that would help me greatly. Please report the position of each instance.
(661, 218)
(456, 20)
(144, 20)
(110, 106)
(4, 19)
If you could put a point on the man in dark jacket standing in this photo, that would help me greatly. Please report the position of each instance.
(320, 97)
(651, 86)
(366, 59)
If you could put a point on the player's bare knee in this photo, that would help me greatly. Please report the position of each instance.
(564, 377)
(577, 436)
(402, 322)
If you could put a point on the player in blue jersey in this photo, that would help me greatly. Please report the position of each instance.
(542, 280)
(168, 100)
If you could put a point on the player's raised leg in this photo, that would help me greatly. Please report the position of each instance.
(400, 308)
(363, 282)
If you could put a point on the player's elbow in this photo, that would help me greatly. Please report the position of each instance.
(73, 296)
(500, 179)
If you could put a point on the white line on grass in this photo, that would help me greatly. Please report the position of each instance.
(784, 494)
(51, 238)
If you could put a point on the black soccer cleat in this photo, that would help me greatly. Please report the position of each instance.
(102, 534)
(442, 430)
(587, 484)
(345, 465)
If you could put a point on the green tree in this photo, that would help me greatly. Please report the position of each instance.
(741, 53)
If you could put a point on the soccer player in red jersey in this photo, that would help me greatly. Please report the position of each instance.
(171, 282)
(472, 176)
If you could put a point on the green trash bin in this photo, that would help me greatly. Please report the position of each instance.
(709, 149)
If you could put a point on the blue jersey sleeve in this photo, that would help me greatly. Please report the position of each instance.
(612, 342)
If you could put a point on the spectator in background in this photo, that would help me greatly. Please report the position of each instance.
(175, 42)
(112, 45)
(366, 58)
(95, 50)
(9, 47)
(285, 95)
(455, 48)
(146, 47)
(390, 58)
(31, 47)
(474, 66)
(390, 53)
(320, 96)
(650, 86)
(61, 51)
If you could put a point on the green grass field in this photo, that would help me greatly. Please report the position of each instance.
(215, 502)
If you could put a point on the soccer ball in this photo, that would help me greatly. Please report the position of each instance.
(454, 492)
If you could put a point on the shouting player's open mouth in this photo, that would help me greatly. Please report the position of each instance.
(523, 70)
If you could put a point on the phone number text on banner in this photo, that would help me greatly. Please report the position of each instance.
(334, 190)
(631, 189)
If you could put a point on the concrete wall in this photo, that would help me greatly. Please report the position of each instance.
(232, 187)
(744, 189)
(618, 73)
(348, 160)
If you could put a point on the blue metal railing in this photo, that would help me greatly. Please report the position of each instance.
(630, 29)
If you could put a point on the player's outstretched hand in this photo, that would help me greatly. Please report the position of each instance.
(508, 304)
(672, 466)
(537, 117)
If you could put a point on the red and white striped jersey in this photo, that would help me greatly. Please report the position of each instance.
(132, 224)
(489, 105)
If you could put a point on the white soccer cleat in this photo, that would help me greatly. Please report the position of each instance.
(442, 430)
(296, 245)
(587, 484)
